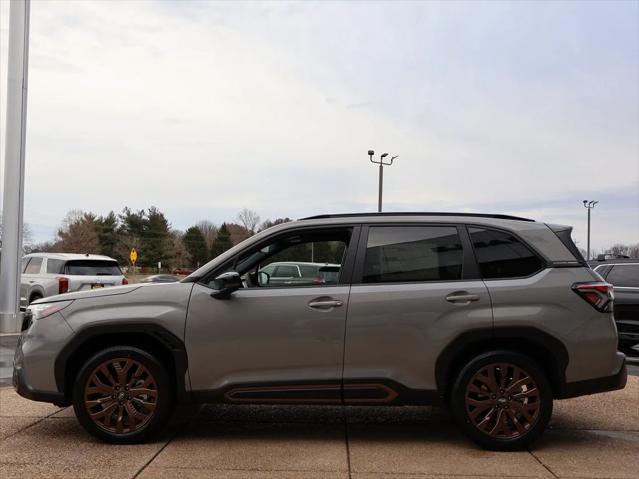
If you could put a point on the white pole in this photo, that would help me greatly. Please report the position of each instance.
(13, 198)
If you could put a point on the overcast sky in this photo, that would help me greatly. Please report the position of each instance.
(204, 108)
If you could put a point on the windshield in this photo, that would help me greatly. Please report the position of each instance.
(87, 267)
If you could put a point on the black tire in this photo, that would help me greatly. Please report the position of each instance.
(123, 408)
(34, 297)
(490, 414)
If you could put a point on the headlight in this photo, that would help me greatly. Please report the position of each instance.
(43, 310)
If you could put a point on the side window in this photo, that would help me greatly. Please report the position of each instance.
(25, 262)
(286, 271)
(303, 263)
(624, 275)
(55, 266)
(501, 255)
(34, 266)
(301, 258)
(412, 253)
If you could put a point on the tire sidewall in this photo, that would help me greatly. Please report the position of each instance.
(458, 405)
(164, 402)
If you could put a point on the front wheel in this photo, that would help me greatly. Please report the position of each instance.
(123, 395)
(502, 400)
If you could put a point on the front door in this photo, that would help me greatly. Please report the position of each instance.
(274, 342)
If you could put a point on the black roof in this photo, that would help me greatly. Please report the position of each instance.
(418, 213)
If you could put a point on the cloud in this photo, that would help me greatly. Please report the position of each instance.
(202, 108)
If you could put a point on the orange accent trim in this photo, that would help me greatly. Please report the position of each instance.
(310, 387)
(391, 393)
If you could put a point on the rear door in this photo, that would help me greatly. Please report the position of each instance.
(415, 289)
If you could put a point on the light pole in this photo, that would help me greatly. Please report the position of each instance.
(589, 205)
(13, 195)
(381, 164)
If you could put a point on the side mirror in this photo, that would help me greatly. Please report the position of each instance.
(225, 284)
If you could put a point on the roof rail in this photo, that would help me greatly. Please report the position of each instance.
(417, 213)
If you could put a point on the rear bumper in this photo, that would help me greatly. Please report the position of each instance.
(597, 385)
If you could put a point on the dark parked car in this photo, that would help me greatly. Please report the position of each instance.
(623, 274)
(161, 278)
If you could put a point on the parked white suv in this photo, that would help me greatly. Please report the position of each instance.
(48, 274)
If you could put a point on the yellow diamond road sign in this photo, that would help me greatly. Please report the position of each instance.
(133, 256)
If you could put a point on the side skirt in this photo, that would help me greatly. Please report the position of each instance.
(373, 392)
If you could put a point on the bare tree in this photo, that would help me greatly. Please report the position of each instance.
(249, 219)
(27, 237)
(72, 216)
(209, 231)
(79, 234)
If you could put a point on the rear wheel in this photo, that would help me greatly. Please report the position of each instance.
(502, 400)
(34, 297)
(123, 395)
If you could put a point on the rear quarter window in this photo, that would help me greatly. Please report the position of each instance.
(502, 255)
(33, 267)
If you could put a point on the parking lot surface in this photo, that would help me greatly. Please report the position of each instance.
(590, 437)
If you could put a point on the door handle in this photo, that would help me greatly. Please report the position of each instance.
(324, 303)
(461, 297)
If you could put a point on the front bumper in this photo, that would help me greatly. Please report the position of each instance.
(25, 390)
(597, 385)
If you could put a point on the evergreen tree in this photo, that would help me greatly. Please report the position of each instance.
(195, 245)
(133, 225)
(155, 240)
(107, 229)
(222, 241)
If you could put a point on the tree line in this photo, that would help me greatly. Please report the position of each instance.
(151, 234)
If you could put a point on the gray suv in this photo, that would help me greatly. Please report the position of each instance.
(494, 316)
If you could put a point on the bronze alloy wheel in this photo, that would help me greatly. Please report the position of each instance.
(502, 401)
(121, 395)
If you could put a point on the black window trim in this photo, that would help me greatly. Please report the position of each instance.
(545, 264)
(346, 273)
(469, 268)
(24, 268)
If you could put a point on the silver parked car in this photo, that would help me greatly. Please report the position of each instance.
(290, 273)
(495, 316)
(49, 274)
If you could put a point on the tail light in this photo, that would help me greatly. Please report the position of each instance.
(598, 294)
(63, 285)
(125, 281)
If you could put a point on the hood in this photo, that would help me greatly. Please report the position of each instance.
(91, 293)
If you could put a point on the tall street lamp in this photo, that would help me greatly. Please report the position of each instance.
(381, 164)
(589, 205)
